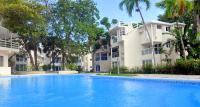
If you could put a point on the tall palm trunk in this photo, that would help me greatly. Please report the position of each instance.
(31, 58)
(36, 60)
(63, 61)
(181, 39)
(195, 18)
(145, 26)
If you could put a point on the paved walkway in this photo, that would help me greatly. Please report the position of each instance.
(163, 76)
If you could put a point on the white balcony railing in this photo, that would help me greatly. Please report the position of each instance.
(9, 44)
(148, 51)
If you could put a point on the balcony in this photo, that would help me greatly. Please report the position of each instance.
(9, 44)
(8, 41)
(149, 51)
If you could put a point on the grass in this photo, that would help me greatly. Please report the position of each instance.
(107, 74)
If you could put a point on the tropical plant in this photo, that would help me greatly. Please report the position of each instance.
(114, 70)
(196, 17)
(175, 9)
(132, 5)
(26, 19)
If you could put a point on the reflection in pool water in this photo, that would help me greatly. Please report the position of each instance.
(89, 91)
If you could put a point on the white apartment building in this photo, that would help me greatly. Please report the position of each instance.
(8, 47)
(102, 59)
(22, 62)
(131, 47)
(85, 62)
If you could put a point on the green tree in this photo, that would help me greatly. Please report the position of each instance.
(74, 22)
(105, 22)
(51, 47)
(26, 19)
(196, 16)
(175, 9)
(132, 5)
(114, 21)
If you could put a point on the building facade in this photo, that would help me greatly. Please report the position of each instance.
(8, 47)
(131, 46)
(23, 63)
(85, 62)
(102, 59)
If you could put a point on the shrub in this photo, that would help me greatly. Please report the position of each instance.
(135, 70)
(148, 69)
(190, 66)
(46, 67)
(114, 70)
(71, 66)
(123, 70)
(79, 69)
(185, 67)
(164, 69)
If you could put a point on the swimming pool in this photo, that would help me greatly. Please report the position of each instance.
(95, 91)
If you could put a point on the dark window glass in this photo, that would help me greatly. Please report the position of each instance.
(168, 29)
(104, 56)
(115, 52)
(159, 27)
(97, 57)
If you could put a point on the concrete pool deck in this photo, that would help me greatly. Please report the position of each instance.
(165, 76)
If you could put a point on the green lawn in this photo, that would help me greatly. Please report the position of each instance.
(106, 74)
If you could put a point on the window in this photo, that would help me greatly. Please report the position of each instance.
(17, 58)
(114, 39)
(97, 57)
(157, 49)
(21, 59)
(57, 68)
(103, 56)
(168, 29)
(105, 47)
(147, 51)
(159, 27)
(168, 44)
(114, 64)
(21, 67)
(147, 62)
(122, 31)
(169, 61)
(1, 61)
(57, 60)
(115, 52)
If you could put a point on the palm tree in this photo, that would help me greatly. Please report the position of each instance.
(132, 5)
(175, 9)
(196, 14)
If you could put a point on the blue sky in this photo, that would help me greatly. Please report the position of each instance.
(110, 9)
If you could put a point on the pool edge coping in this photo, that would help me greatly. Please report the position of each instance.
(197, 81)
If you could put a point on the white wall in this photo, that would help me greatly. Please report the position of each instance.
(137, 40)
(5, 58)
(5, 71)
(132, 50)
(105, 65)
(87, 62)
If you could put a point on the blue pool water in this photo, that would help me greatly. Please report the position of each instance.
(94, 91)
